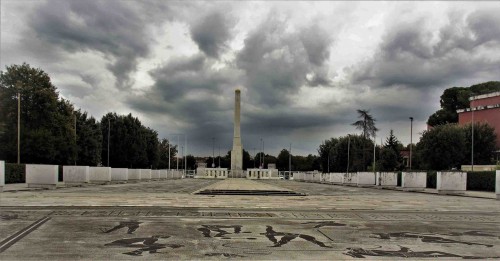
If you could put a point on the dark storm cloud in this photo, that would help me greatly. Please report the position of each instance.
(409, 56)
(277, 62)
(110, 27)
(212, 32)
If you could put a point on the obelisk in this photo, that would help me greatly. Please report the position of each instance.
(237, 151)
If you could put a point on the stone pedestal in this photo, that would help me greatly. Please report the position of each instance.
(145, 174)
(387, 179)
(366, 179)
(100, 175)
(413, 181)
(2, 175)
(497, 184)
(350, 179)
(42, 176)
(451, 182)
(134, 174)
(119, 174)
(336, 178)
(76, 174)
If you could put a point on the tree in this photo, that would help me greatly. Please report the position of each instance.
(47, 129)
(190, 162)
(390, 156)
(456, 98)
(88, 141)
(163, 153)
(366, 124)
(484, 143)
(442, 147)
(282, 162)
(327, 153)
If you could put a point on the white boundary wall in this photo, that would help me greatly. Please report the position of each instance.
(336, 178)
(163, 174)
(2, 175)
(497, 184)
(134, 174)
(350, 178)
(100, 174)
(145, 174)
(451, 182)
(387, 179)
(42, 176)
(414, 180)
(366, 178)
(155, 174)
(76, 174)
(119, 174)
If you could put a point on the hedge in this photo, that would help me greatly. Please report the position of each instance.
(481, 180)
(432, 179)
(15, 173)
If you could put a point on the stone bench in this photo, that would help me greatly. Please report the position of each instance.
(134, 174)
(145, 174)
(76, 174)
(2, 175)
(413, 181)
(387, 179)
(449, 182)
(366, 179)
(119, 174)
(42, 176)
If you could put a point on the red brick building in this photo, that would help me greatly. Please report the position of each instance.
(485, 108)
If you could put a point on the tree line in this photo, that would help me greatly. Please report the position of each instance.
(54, 132)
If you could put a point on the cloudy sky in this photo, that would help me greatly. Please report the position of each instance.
(303, 67)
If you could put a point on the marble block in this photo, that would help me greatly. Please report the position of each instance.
(155, 174)
(119, 174)
(336, 178)
(366, 178)
(497, 184)
(2, 175)
(145, 174)
(76, 174)
(134, 174)
(42, 176)
(350, 178)
(163, 174)
(100, 174)
(451, 182)
(414, 180)
(387, 179)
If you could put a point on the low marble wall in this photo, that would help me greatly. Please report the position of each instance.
(119, 174)
(497, 184)
(145, 174)
(325, 177)
(451, 182)
(42, 176)
(134, 174)
(76, 174)
(2, 175)
(366, 178)
(163, 174)
(298, 176)
(100, 174)
(155, 174)
(350, 178)
(414, 180)
(387, 179)
(336, 178)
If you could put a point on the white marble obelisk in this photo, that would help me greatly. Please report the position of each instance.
(237, 151)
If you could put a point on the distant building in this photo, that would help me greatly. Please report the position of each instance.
(484, 108)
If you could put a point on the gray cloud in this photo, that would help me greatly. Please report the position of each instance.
(110, 27)
(409, 56)
(212, 32)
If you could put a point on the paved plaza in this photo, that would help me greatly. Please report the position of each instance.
(161, 220)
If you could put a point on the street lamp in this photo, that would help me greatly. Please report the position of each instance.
(472, 143)
(411, 137)
(348, 151)
(109, 127)
(213, 152)
(18, 85)
(290, 161)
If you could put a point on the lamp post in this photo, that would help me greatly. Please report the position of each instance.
(213, 152)
(18, 85)
(109, 127)
(260, 156)
(411, 137)
(348, 151)
(472, 143)
(290, 161)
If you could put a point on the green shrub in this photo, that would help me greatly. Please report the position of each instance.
(431, 179)
(481, 180)
(15, 173)
(60, 172)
